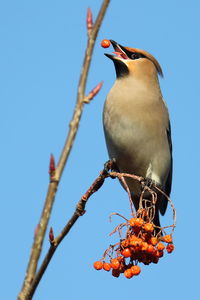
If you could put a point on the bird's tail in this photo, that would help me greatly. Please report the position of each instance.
(156, 219)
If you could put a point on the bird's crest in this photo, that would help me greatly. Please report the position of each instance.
(149, 56)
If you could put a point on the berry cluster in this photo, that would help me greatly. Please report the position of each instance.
(143, 243)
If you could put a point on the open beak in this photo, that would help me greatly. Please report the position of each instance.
(119, 52)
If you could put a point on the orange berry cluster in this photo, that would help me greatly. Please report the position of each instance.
(141, 245)
(118, 266)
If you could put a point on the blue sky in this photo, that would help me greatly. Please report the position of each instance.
(42, 48)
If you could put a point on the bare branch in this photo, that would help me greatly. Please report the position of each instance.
(80, 210)
(74, 124)
(52, 188)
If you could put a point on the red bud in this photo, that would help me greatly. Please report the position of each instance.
(95, 91)
(51, 235)
(52, 167)
(36, 230)
(89, 19)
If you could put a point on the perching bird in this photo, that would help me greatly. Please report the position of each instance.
(136, 123)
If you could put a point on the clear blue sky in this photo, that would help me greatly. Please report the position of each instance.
(41, 53)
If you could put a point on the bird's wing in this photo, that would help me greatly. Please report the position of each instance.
(167, 188)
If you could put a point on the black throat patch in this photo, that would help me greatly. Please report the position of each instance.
(121, 68)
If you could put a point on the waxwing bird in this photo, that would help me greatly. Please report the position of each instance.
(136, 123)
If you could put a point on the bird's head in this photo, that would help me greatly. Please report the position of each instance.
(133, 61)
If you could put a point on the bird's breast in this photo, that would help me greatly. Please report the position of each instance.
(135, 134)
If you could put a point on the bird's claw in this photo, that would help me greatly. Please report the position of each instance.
(111, 165)
(147, 182)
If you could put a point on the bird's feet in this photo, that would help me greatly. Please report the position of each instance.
(148, 182)
(111, 165)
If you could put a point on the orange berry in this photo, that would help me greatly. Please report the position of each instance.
(128, 273)
(167, 238)
(148, 227)
(144, 246)
(98, 265)
(106, 266)
(159, 253)
(160, 246)
(105, 43)
(139, 222)
(126, 252)
(132, 222)
(170, 248)
(135, 270)
(115, 264)
(133, 238)
(135, 242)
(150, 249)
(153, 241)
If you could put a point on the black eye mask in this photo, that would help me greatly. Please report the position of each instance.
(135, 55)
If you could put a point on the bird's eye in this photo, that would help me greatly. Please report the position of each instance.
(135, 55)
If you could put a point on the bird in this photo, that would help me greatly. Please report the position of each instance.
(136, 124)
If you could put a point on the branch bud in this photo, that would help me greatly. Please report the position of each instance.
(94, 92)
(89, 20)
(52, 167)
(51, 235)
(36, 230)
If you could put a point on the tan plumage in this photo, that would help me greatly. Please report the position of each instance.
(136, 122)
(149, 56)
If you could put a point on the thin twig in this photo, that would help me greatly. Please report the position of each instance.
(117, 214)
(74, 125)
(80, 209)
(121, 178)
(141, 179)
(117, 174)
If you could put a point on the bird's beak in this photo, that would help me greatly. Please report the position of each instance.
(120, 52)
